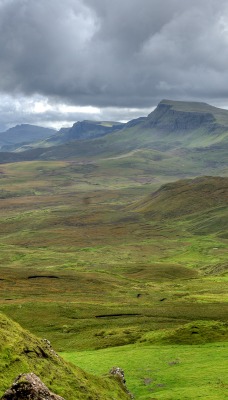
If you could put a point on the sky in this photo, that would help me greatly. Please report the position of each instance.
(64, 61)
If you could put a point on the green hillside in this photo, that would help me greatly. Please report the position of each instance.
(186, 197)
(21, 352)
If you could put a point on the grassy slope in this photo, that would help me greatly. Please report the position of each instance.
(22, 352)
(187, 197)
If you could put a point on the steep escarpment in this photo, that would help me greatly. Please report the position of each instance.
(168, 117)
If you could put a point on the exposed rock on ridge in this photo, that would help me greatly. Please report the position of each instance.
(29, 386)
(167, 119)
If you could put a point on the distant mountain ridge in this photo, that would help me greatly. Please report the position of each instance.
(24, 133)
(86, 129)
(174, 127)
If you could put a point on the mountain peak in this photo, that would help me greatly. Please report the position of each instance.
(181, 116)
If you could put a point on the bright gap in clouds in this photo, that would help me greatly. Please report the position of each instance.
(63, 110)
(38, 110)
(40, 107)
(41, 111)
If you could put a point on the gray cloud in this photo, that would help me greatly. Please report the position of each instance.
(38, 111)
(125, 53)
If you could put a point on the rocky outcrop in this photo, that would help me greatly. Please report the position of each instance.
(167, 119)
(82, 130)
(119, 374)
(29, 387)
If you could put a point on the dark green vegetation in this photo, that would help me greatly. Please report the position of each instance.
(105, 249)
(21, 351)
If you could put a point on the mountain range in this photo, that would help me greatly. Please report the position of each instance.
(184, 139)
(174, 122)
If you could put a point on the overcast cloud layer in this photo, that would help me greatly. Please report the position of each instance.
(110, 55)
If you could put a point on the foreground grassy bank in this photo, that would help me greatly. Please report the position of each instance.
(22, 352)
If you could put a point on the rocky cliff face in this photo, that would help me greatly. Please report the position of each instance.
(167, 119)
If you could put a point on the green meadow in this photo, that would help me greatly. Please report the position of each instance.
(164, 372)
(115, 271)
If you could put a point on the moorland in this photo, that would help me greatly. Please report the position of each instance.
(114, 248)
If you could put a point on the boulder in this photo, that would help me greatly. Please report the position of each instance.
(30, 387)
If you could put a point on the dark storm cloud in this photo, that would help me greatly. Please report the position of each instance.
(122, 53)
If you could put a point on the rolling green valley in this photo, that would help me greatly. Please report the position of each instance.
(113, 248)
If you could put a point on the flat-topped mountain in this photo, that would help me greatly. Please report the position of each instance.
(178, 116)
